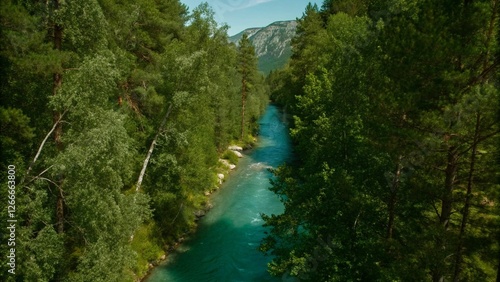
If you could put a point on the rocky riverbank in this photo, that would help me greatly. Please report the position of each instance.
(223, 170)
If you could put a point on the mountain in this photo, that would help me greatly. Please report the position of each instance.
(272, 43)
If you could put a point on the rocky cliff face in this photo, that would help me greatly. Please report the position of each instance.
(272, 43)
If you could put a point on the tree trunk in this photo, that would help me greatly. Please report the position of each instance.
(476, 140)
(57, 83)
(57, 80)
(489, 34)
(451, 174)
(151, 149)
(470, 179)
(148, 156)
(446, 208)
(243, 101)
(39, 151)
(393, 198)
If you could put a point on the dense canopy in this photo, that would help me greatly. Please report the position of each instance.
(114, 114)
(396, 131)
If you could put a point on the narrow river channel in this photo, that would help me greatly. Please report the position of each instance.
(225, 247)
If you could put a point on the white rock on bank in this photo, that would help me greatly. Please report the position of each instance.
(235, 148)
(238, 154)
(221, 177)
(226, 163)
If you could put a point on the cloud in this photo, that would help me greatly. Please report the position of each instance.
(234, 5)
(256, 2)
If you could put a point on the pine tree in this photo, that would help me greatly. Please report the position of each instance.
(107, 109)
(394, 130)
(247, 64)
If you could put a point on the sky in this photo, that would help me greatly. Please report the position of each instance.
(243, 14)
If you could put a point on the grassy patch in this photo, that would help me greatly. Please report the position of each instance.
(230, 156)
(147, 247)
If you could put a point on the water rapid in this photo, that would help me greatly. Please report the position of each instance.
(225, 247)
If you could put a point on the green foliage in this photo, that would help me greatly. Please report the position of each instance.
(252, 92)
(15, 137)
(87, 85)
(230, 156)
(395, 125)
(45, 250)
(147, 247)
(85, 25)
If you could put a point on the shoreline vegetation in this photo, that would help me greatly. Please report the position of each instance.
(115, 116)
(227, 164)
(120, 118)
(396, 138)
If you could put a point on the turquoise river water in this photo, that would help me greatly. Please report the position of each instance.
(225, 246)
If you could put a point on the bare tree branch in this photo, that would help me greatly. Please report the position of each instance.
(40, 148)
(151, 149)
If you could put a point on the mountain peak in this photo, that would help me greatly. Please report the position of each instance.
(272, 43)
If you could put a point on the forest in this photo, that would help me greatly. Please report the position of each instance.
(114, 115)
(395, 125)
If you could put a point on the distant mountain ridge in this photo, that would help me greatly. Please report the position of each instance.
(272, 43)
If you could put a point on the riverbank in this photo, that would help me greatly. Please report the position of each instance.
(227, 164)
(225, 246)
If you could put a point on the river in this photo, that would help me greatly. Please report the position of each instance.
(225, 246)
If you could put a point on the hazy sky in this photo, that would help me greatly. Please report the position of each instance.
(242, 14)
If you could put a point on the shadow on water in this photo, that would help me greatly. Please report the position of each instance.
(225, 247)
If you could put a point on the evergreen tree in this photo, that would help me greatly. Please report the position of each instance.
(109, 108)
(394, 131)
(247, 65)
